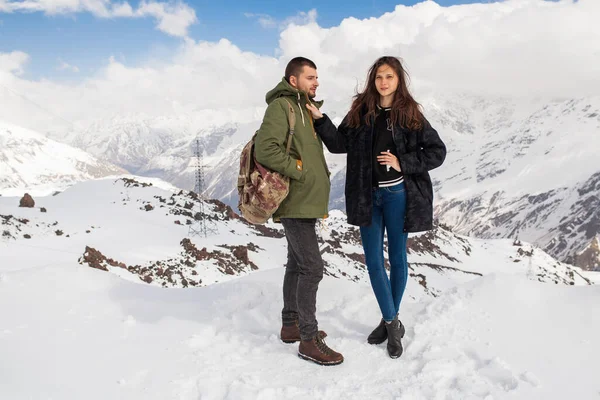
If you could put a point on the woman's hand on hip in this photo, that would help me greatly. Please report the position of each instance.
(387, 158)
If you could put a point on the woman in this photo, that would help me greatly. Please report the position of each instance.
(391, 147)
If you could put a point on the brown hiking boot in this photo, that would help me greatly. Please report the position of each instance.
(316, 350)
(291, 333)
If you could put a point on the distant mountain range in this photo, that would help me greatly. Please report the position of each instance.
(516, 168)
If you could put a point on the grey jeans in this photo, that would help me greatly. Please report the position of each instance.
(304, 271)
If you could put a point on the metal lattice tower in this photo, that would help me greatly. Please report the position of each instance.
(201, 226)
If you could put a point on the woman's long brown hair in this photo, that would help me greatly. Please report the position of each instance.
(405, 110)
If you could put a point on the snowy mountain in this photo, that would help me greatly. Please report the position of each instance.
(530, 173)
(82, 303)
(30, 162)
(521, 168)
(165, 147)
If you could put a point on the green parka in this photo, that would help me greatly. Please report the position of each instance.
(305, 165)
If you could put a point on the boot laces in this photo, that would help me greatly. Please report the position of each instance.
(322, 346)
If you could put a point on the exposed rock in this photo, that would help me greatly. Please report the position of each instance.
(96, 259)
(177, 272)
(425, 244)
(589, 259)
(223, 208)
(27, 201)
(241, 253)
(93, 258)
(266, 231)
(129, 182)
(191, 249)
(525, 253)
(357, 257)
(252, 247)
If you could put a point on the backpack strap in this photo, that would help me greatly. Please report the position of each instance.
(292, 123)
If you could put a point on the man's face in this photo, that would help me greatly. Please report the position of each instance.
(308, 81)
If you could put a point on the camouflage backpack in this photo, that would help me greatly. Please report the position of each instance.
(261, 190)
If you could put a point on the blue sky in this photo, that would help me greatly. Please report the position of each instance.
(494, 43)
(86, 41)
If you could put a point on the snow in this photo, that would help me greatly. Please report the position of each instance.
(33, 163)
(69, 331)
(593, 276)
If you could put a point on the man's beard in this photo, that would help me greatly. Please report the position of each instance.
(310, 93)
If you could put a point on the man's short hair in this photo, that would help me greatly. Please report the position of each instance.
(294, 67)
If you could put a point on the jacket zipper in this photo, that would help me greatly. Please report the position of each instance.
(312, 125)
(300, 107)
(371, 153)
(406, 191)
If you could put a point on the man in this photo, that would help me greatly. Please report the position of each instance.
(306, 202)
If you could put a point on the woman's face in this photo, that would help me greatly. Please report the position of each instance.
(386, 80)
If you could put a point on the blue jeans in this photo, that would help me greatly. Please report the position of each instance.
(389, 209)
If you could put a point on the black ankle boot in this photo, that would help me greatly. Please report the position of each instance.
(379, 334)
(395, 332)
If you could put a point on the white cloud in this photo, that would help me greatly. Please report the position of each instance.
(66, 66)
(302, 18)
(265, 20)
(122, 10)
(509, 48)
(13, 63)
(52, 7)
(514, 47)
(173, 18)
(268, 22)
(200, 75)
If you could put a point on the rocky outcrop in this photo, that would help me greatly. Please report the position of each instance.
(130, 182)
(97, 260)
(182, 270)
(589, 259)
(27, 201)
(14, 228)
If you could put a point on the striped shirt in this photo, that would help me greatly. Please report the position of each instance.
(384, 175)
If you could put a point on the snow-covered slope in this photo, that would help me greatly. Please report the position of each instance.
(142, 233)
(83, 304)
(70, 332)
(30, 162)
